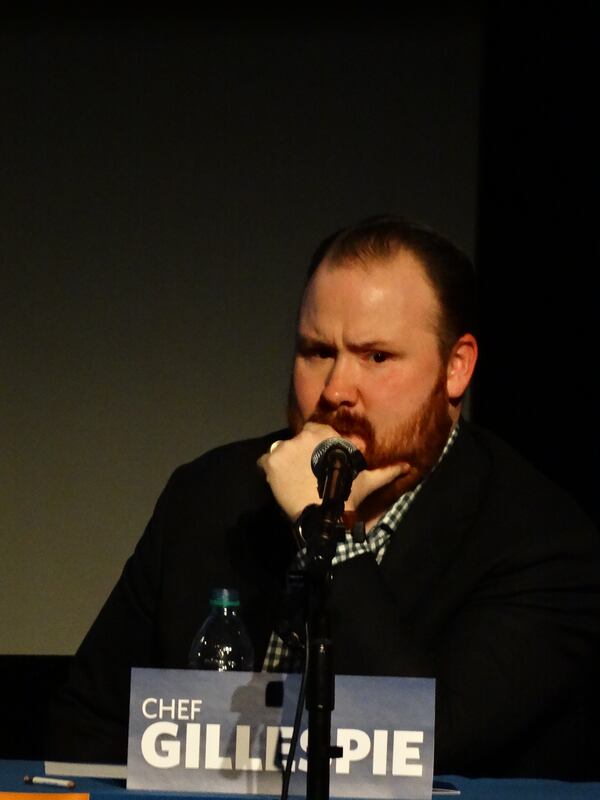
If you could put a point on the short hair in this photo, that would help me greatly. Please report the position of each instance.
(449, 271)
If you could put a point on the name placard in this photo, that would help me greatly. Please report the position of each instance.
(229, 733)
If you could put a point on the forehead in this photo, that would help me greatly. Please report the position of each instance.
(391, 297)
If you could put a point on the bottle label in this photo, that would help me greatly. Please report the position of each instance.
(229, 733)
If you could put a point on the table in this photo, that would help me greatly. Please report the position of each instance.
(12, 772)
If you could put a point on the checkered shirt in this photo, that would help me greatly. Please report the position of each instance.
(282, 657)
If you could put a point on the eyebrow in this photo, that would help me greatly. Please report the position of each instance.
(307, 342)
(363, 347)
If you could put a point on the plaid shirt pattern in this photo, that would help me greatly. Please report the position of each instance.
(281, 657)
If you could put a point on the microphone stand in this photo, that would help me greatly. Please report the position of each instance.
(322, 530)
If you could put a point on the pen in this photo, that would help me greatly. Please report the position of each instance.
(49, 781)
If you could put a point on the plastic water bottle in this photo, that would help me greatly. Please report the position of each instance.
(222, 642)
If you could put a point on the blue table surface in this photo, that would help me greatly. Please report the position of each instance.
(12, 773)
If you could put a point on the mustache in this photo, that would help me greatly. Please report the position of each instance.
(344, 422)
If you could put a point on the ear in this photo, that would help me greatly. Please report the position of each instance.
(461, 365)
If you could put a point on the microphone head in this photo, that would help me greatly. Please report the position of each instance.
(318, 459)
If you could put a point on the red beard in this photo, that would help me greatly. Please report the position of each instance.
(418, 440)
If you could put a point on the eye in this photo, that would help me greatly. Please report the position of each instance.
(379, 356)
(324, 352)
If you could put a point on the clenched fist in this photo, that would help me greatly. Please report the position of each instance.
(288, 471)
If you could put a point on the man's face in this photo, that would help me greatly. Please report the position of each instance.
(368, 362)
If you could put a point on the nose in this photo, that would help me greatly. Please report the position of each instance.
(341, 388)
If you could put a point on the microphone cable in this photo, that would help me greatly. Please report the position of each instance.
(287, 774)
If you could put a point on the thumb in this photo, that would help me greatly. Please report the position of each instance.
(371, 480)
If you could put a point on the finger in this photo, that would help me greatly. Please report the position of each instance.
(383, 475)
(371, 480)
(319, 428)
(265, 459)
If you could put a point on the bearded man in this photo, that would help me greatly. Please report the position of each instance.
(475, 569)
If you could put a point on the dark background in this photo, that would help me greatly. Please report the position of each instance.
(165, 178)
(537, 239)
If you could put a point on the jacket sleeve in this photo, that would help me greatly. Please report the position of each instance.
(209, 528)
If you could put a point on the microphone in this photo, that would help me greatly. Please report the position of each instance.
(335, 463)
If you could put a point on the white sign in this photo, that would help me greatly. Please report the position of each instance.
(229, 733)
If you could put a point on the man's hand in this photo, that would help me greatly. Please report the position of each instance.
(288, 471)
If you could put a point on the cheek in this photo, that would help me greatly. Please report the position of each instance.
(307, 387)
(399, 394)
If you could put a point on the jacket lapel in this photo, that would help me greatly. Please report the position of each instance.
(437, 522)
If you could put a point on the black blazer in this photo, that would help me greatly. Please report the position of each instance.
(491, 585)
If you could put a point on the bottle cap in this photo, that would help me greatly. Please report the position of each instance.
(224, 598)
